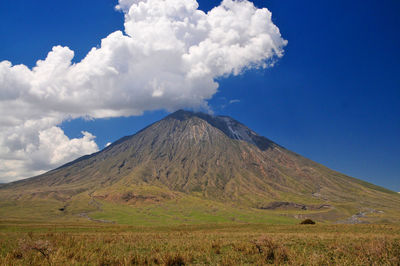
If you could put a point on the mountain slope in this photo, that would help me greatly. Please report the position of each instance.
(194, 156)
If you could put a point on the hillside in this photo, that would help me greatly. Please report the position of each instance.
(195, 168)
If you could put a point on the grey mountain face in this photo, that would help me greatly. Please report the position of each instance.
(232, 128)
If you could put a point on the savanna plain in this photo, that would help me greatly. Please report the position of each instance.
(91, 243)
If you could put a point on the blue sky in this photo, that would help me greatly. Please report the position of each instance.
(333, 97)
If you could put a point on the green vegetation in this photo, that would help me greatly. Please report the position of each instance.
(181, 210)
(152, 208)
(214, 244)
(186, 210)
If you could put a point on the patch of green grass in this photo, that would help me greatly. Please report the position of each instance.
(36, 210)
(186, 210)
(158, 206)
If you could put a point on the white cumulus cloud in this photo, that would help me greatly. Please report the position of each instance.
(167, 57)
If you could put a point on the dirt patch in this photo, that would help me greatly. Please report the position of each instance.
(85, 215)
(132, 198)
(284, 205)
(356, 218)
(97, 205)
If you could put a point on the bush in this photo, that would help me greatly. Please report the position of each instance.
(307, 221)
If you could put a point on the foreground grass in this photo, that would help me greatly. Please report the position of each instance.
(229, 244)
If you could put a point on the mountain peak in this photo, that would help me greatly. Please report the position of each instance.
(181, 115)
(229, 126)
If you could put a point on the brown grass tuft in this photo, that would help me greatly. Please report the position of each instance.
(44, 247)
(273, 251)
(174, 260)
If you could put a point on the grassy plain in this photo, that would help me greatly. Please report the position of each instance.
(184, 229)
(90, 243)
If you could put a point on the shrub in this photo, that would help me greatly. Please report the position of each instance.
(307, 221)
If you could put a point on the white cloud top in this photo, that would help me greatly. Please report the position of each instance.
(168, 57)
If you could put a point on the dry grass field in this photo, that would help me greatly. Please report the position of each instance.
(223, 244)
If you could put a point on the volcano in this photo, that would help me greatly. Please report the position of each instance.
(194, 167)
